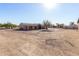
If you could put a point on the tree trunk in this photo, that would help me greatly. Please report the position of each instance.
(46, 27)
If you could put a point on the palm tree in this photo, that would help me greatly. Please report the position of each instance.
(78, 23)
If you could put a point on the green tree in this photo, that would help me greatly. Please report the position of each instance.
(9, 25)
(1, 25)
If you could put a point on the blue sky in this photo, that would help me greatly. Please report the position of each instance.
(36, 13)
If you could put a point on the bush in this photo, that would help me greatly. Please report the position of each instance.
(8, 25)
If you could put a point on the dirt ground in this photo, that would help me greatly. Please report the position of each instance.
(56, 42)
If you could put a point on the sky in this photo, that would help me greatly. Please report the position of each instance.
(36, 12)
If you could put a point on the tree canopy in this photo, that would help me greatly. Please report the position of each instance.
(78, 20)
(47, 23)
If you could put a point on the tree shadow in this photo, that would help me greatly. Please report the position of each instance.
(45, 30)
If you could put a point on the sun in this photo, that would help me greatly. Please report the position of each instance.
(49, 5)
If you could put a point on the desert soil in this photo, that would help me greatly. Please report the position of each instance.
(56, 42)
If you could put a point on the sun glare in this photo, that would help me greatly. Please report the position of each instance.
(49, 5)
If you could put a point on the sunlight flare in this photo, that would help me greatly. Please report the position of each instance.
(49, 5)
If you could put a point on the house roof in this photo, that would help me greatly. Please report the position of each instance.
(28, 24)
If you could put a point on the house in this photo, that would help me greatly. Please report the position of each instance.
(28, 26)
(71, 27)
